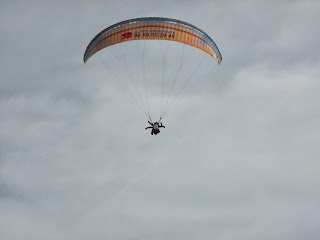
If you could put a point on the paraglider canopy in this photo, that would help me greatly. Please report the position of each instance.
(153, 28)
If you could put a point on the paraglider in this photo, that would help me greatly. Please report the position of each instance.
(155, 127)
(154, 28)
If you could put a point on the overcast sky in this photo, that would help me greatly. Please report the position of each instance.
(239, 158)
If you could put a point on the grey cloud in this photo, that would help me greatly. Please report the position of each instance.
(238, 157)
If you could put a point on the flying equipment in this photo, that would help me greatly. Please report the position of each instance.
(155, 28)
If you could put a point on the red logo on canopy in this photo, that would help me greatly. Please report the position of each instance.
(127, 35)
